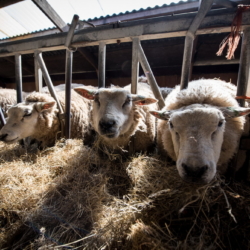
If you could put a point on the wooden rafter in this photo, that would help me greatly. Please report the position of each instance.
(47, 9)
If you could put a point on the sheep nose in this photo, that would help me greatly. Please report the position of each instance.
(3, 136)
(106, 124)
(195, 172)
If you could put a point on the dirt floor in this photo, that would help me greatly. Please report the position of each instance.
(70, 197)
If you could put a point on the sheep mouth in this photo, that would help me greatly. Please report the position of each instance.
(110, 135)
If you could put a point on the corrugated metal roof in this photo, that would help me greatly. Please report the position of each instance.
(22, 18)
(25, 18)
(141, 10)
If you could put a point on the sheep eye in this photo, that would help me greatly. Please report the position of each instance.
(128, 100)
(220, 123)
(171, 125)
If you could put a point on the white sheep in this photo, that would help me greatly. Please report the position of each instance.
(61, 87)
(200, 128)
(117, 116)
(37, 117)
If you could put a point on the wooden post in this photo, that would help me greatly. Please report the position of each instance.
(135, 64)
(68, 76)
(18, 71)
(205, 6)
(102, 64)
(243, 82)
(38, 74)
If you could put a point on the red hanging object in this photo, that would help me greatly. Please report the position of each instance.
(233, 38)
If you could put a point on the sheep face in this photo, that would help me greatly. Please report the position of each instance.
(113, 110)
(196, 133)
(22, 121)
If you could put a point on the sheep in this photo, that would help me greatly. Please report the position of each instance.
(200, 128)
(61, 87)
(37, 117)
(118, 116)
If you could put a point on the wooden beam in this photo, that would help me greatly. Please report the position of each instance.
(216, 21)
(5, 3)
(47, 9)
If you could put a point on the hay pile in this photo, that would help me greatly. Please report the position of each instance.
(68, 197)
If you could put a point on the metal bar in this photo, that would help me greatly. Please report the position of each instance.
(71, 30)
(38, 75)
(216, 22)
(205, 6)
(147, 70)
(47, 9)
(2, 119)
(48, 80)
(243, 82)
(18, 73)
(68, 76)
(68, 81)
(135, 64)
(102, 64)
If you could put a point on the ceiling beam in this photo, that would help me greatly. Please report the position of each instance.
(5, 3)
(216, 21)
(47, 9)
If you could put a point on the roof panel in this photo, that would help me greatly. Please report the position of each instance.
(9, 25)
(28, 15)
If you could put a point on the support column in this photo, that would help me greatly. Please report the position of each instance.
(205, 6)
(68, 81)
(68, 76)
(38, 75)
(135, 64)
(102, 64)
(18, 71)
(243, 82)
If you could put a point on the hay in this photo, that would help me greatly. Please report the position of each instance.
(70, 197)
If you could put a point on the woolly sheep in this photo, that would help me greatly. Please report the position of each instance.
(200, 128)
(38, 117)
(117, 115)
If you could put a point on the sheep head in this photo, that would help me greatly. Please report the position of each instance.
(113, 109)
(22, 120)
(197, 133)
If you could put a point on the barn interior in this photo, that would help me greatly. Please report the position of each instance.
(164, 55)
(70, 197)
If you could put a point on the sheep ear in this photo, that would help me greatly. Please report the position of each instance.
(163, 115)
(142, 100)
(41, 106)
(232, 112)
(86, 93)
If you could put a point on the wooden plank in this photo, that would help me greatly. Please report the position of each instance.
(47, 9)
(155, 28)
